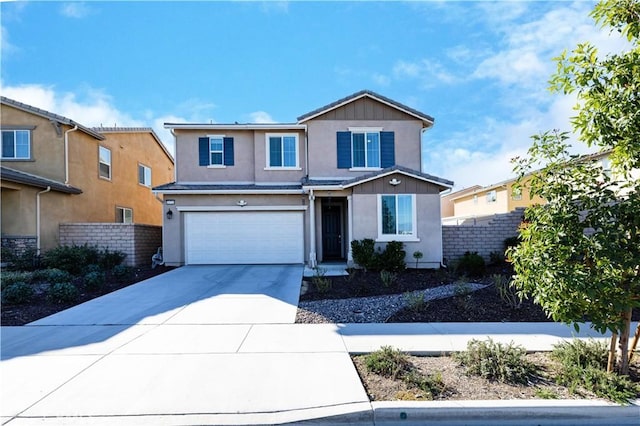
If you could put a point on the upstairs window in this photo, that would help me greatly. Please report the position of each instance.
(144, 175)
(16, 144)
(216, 150)
(365, 149)
(104, 162)
(282, 151)
(492, 196)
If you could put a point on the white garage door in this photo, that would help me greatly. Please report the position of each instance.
(244, 237)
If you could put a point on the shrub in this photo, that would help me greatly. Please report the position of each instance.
(392, 257)
(415, 301)
(506, 291)
(17, 293)
(496, 258)
(432, 384)
(110, 259)
(388, 278)
(511, 242)
(94, 280)
(63, 292)
(72, 259)
(122, 272)
(52, 275)
(388, 362)
(417, 255)
(321, 283)
(26, 260)
(471, 264)
(8, 278)
(364, 253)
(495, 361)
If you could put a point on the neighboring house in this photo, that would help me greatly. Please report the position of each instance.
(301, 192)
(446, 201)
(54, 170)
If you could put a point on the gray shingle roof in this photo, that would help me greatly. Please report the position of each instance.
(226, 187)
(12, 175)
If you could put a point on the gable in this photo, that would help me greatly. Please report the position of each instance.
(365, 108)
(407, 185)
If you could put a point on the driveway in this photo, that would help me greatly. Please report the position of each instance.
(220, 294)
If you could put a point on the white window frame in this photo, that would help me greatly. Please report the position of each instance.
(221, 165)
(15, 141)
(492, 196)
(100, 148)
(124, 210)
(267, 147)
(516, 194)
(413, 237)
(366, 130)
(144, 175)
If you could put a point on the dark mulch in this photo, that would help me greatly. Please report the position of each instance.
(40, 307)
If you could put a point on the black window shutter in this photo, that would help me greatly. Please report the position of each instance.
(228, 151)
(387, 149)
(203, 151)
(344, 150)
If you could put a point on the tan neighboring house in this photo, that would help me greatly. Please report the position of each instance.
(55, 170)
(301, 192)
(446, 201)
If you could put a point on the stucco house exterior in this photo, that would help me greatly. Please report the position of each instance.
(55, 170)
(301, 192)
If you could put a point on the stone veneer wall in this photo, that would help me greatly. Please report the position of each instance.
(138, 242)
(482, 238)
(18, 244)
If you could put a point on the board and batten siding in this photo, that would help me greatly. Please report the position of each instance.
(407, 185)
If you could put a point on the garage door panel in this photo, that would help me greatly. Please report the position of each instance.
(244, 237)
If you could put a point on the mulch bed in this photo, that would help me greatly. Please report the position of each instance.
(40, 307)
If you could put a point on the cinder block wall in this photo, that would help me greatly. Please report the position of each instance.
(483, 238)
(138, 242)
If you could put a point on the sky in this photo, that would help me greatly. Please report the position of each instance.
(480, 68)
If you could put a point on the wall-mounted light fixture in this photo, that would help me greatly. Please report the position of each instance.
(395, 182)
(242, 203)
(169, 214)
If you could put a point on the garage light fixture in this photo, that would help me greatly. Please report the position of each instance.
(242, 203)
(169, 214)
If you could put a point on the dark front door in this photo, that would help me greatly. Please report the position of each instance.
(331, 232)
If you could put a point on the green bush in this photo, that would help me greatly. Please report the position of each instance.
(495, 361)
(392, 257)
(72, 259)
(432, 384)
(11, 277)
(26, 260)
(92, 268)
(52, 275)
(17, 293)
(364, 253)
(110, 259)
(63, 292)
(322, 284)
(471, 264)
(388, 362)
(506, 291)
(388, 278)
(94, 280)
(122, 272)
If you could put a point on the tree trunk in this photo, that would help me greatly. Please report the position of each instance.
(612, 352)
(623, 344)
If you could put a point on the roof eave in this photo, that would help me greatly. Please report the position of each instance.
(248, 126)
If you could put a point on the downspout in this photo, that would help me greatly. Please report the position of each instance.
(175, 155)
(306, 151)
(38, 218)
(313, 262)
(66, 154)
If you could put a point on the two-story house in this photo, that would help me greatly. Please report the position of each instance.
(55, 170)
(301, 192)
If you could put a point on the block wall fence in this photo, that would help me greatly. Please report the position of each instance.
(483, 238)
(138, 242)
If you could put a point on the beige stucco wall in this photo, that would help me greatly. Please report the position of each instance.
(323, 147)
(477, 204)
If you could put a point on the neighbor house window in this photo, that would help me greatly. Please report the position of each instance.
(144, 175)
(104, 162)
(282, 151)
(397, 216)
(492, 196)
(124, 215)
(216, 150)
(365, 149)
(516, 194)
(16, 144)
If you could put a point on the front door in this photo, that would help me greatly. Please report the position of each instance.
(331, 232)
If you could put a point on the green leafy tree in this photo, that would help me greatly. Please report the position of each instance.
(579, 254)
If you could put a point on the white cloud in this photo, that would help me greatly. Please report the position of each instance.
(261, 117)
(381, 79)
(77, 10)
(428, 71)
(5, 45)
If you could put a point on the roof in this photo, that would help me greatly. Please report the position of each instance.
(51, 116)
(370, 94)
(12, 175)
(235, 126)
(203, 188)
(136, 130)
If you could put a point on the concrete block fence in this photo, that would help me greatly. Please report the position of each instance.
(483, 238)
(138, 242)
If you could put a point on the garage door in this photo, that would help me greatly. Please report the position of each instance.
(244, 237)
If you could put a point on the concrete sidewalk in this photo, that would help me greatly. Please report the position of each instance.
(178, 374)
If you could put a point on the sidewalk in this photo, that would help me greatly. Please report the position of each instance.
(252, 374)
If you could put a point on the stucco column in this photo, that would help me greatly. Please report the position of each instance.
(349, 230)
(313, 262)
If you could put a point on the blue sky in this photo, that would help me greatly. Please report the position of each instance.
(479, 67)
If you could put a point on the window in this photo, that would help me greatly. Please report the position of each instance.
(144, 175)
(16, 144)
(397, 217)
(492, 196)
(216, 150)
(104, 162)
(365, 149)
(282, 151)
(124, 215)
(516, 194)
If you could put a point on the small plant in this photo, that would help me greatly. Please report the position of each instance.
(64, 292)
(352, 273)
(24, 260)
(122, 272)
(417, 255)
(364, 253)
(323, 284)
(495, 361)
(110, 259)
(461, 287)
(543, 393)
(388, 362)
(92, 268)
(52, 275)
(415, 301)
(506, 291)
(471, 264)
(496, 258)
(388, 278)
(392, 257)
(17, 293)
(432, 385)
(10, 277)
(94, 280)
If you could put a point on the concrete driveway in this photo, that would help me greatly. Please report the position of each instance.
(220, 294)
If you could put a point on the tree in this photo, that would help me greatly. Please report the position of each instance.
(579, 255)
